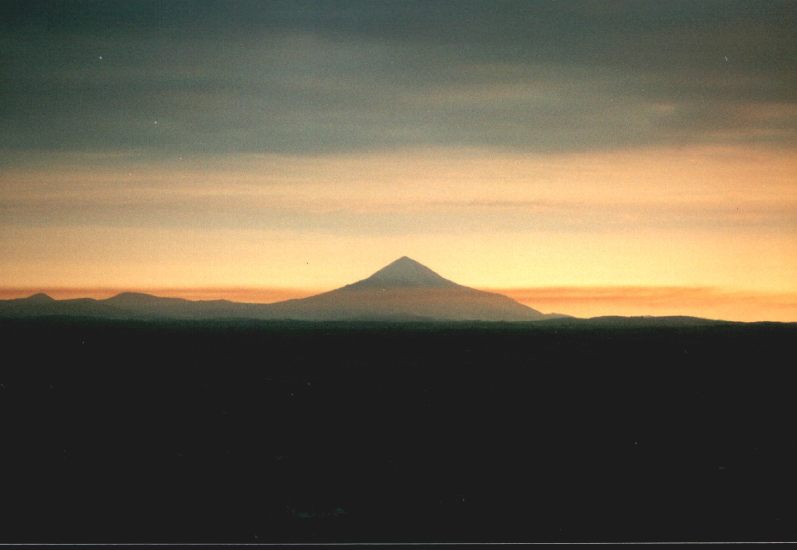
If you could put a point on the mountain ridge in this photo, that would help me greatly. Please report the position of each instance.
(403, 290)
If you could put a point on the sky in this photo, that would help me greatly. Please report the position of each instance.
(583, 157)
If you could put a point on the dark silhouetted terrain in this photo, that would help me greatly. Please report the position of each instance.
(401, 291)
(244, 431)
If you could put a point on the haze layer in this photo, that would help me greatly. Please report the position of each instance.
(578, 151)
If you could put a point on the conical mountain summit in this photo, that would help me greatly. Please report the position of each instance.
(406, 290)
(405, 273)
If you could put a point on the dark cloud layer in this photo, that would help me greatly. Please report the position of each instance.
(172, 78)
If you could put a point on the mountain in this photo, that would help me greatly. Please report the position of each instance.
(404, 290)
(41, 304)
(407, 290)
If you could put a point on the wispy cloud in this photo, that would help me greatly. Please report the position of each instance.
(512, 143)
(361, 76)
(444, 191)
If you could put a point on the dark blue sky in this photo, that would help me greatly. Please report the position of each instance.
(194, 78)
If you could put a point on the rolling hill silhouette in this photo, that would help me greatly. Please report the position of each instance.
(404, 290)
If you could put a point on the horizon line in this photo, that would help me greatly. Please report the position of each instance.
(585, 301)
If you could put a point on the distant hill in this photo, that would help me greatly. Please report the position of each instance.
(404, 290)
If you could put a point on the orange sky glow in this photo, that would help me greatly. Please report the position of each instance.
(593, 158)
(720, 221)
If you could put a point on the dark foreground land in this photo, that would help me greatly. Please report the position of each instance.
(244, 432)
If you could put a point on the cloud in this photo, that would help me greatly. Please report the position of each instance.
(332, 77)
(249, 208)
(707, 191)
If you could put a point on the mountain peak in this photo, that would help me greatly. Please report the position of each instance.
(404, 272)
(405, 263)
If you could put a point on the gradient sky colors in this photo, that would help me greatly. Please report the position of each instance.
(584, 157)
